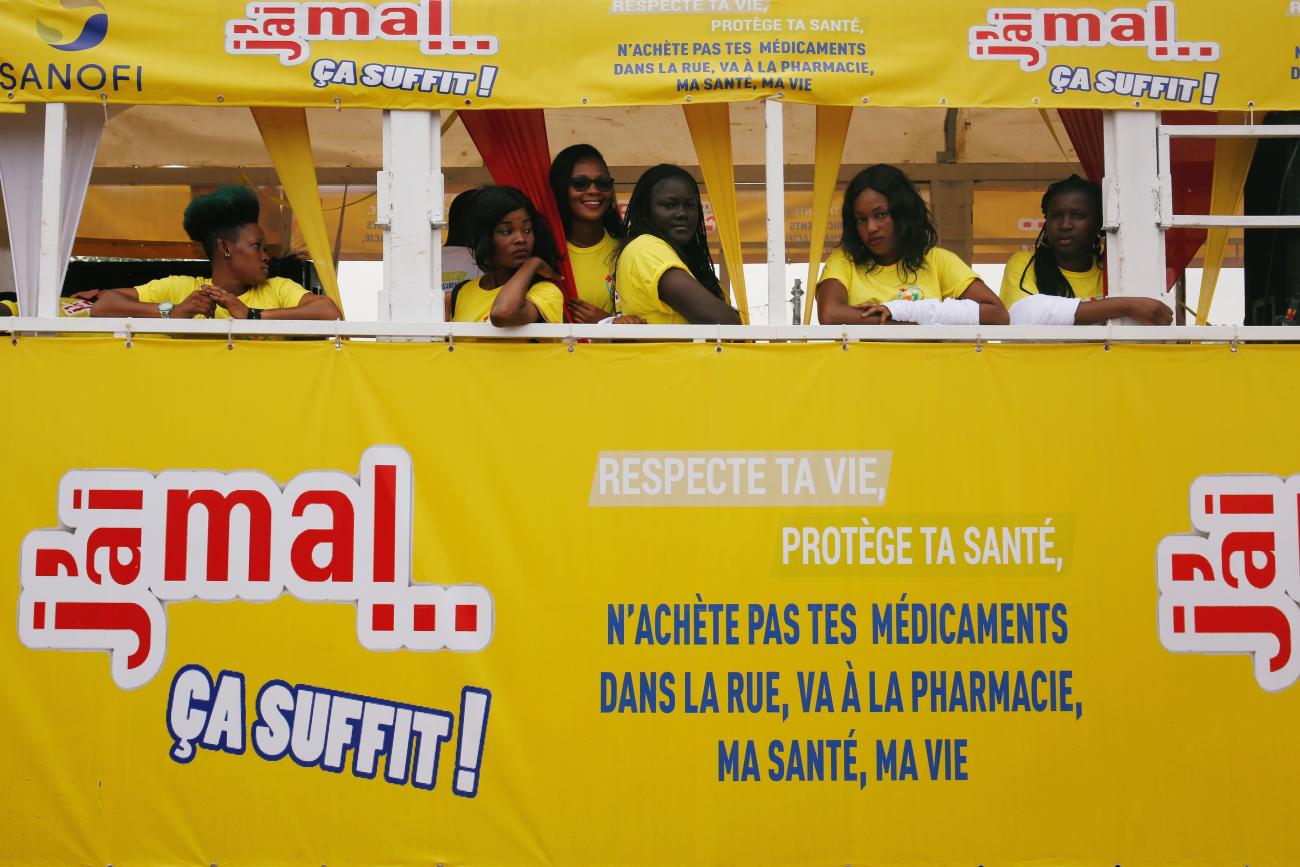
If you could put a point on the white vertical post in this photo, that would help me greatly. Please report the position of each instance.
(774, 134)
(1135, 245)
(406, 210)
(50, 270)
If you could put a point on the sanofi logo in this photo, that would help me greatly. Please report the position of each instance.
(93, 29)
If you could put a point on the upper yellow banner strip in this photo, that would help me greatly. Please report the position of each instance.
(452, 54)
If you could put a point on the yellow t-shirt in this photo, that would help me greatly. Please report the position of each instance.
(643, 261)
(593, 271)
(277, 293)
(944, 275)
(1086, 284)
(474, 303)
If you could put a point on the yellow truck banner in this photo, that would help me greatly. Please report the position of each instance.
(457, 54)
(648, 604)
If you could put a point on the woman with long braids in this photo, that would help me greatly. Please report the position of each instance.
(889, 269)
(1050, 284)
(664, 272)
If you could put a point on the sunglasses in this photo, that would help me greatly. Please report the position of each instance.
(582, 183)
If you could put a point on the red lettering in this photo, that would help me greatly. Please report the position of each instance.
(338, 536)
(218, 507)
(385, 535)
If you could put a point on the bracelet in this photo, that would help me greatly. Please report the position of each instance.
(254, 313)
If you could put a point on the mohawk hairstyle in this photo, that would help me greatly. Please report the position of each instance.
(220, 215)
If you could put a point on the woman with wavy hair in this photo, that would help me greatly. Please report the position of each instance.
(515, 249)
(888, 268)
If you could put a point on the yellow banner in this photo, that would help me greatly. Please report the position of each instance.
(454, 54)
(749, 620)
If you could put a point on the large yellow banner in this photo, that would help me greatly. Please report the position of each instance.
(520, 53)
(647, 604)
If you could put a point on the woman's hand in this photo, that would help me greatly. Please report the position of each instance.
(231, 303)
(874, 314)
(584, 313)
(197, 303)
(1149, 311)
(628, 320)
(538, 266)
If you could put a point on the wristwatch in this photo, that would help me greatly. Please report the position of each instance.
(165, 309)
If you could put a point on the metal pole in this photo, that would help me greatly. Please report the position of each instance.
(774, 133)
(796, 294)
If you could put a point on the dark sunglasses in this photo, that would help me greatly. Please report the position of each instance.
(582, 183)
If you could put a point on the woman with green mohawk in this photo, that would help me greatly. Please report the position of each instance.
(225, 223)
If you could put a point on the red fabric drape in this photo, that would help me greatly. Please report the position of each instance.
(1193, 174)
(513, 145)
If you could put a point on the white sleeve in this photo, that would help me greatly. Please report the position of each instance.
(1044, 310)
(949, 311)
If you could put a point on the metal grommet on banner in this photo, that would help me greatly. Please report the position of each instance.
(220, 98)
(584, 100)
(866, 100)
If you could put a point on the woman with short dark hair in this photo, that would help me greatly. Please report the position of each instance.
(224, 222)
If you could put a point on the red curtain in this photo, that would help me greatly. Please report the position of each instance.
(1192, 174)
(513, 145)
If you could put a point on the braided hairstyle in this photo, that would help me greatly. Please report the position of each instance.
(219, 215)
(695, 254)
(1047, 273)
(562, 170)
(914, 232)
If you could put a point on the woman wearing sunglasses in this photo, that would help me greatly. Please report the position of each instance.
(584, 194)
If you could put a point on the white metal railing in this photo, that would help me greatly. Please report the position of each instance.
(449, 332)
(1170, 220)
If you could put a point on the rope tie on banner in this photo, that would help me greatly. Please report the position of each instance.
(451, 342)
(338, 340)
(569, 339)
(230, 333)
(844, 339)
(717, 341)
(128, 334)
